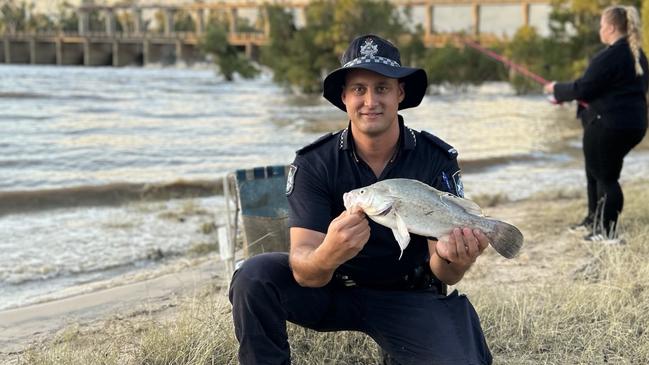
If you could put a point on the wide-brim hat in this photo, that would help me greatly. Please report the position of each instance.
(373, 53)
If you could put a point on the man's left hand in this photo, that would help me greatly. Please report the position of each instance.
(462, 246)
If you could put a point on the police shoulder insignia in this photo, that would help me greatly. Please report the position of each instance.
(290, 179)
(451, 152)
(459, 187)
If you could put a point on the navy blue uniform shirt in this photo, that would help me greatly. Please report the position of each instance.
(326, 169)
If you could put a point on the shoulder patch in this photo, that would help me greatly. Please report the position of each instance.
(459, 187)
(290, 179)
(315, 143)
(451, 152)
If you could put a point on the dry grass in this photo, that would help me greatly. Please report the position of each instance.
(563, 301)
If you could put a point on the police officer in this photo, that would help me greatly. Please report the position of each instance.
(343, 271)
(614, 86)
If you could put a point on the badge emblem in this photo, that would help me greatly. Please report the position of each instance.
(459, 187)
(446, 182)
(369, 48)
(290, 179)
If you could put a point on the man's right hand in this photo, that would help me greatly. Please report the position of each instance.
(346, 236)
(315, 256)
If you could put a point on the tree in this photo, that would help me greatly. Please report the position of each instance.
(282, 31)
(301, 57)
(459, 66)
(66, 19)
(14, 16)
(574, 29)
(527, 49)
(183, 21)
(229, 60)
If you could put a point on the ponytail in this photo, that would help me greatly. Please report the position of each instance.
(627, 21)
(634, 36)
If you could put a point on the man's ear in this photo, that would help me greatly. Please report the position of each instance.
(342, 94)
(402, 91)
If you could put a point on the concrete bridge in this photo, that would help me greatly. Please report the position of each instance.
(134, 44)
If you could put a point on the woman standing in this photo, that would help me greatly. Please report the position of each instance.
(613, 111)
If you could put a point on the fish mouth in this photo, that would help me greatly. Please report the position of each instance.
(347, 200)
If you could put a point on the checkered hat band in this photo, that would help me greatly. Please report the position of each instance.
(372, 59)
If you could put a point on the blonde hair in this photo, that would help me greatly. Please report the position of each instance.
(627, 21)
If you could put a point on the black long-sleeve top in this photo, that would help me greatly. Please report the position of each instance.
(614, 93)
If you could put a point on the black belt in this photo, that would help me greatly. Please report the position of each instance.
(418, 279)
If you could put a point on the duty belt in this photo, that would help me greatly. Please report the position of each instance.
(418, 279)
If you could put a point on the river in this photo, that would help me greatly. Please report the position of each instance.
(74, 141)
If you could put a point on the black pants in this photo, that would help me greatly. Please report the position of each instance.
(414, 327)
(604, 151)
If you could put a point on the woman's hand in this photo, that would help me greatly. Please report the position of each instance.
(549, 87)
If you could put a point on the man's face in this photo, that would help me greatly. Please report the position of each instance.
(372, 100)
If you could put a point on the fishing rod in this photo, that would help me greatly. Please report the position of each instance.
(516, 67)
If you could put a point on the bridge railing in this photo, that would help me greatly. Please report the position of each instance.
(239, 38)
(250, 35)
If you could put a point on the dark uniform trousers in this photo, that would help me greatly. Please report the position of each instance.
(413, 327)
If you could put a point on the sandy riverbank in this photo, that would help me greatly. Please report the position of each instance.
(145, 294)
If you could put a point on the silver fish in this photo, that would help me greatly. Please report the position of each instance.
(410, 206)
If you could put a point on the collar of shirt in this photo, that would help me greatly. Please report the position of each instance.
(620, 41)
(407, 139)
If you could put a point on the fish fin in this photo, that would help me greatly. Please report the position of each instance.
(401, 234)
(506, 239)
(469, 206)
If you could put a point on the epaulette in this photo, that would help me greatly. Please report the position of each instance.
(451, 152)
(315, 143)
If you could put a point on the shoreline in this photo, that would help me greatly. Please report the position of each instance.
(22, 327)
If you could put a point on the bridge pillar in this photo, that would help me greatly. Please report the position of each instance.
(248, 50)
(115, 53)
(232, 17)
(525, 7)
(7, 50)
(179, 51)
(266, 22)
(146, 52)
(86, 52)
(32, 50)
(475, 7)
(59, 51)
(169, 21)
(429, 27)
(111, 25)
(138, 24)
(200, 21)
(84, 22)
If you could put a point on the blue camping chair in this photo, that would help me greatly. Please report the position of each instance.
(261, 210)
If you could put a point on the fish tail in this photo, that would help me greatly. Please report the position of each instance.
(506, 239)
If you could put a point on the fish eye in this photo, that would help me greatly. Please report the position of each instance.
(362, 191)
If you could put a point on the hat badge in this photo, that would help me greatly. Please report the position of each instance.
(369, 48)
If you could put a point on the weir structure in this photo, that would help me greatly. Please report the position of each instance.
(130, 42)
